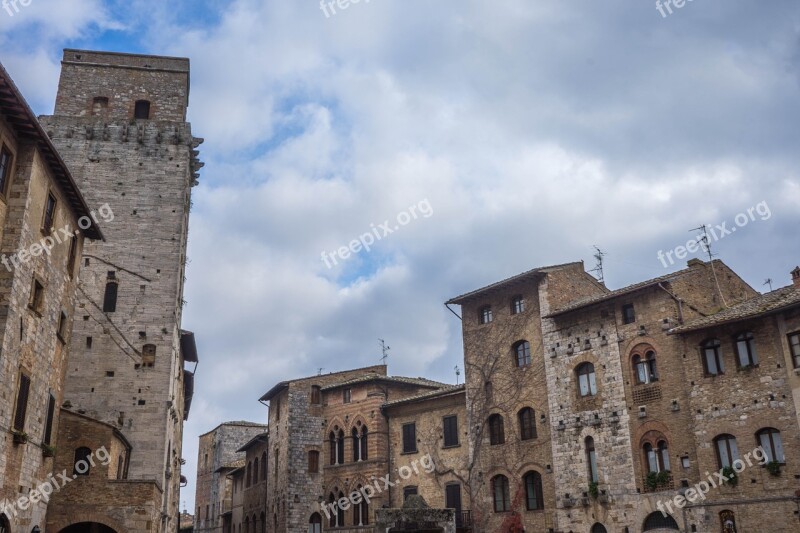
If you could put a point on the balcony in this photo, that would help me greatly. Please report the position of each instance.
(464, 521)
(658, 482)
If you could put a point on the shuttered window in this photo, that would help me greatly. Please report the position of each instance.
(451, 431)
(51, 412)
(409, 438)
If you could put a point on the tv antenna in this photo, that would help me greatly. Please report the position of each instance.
(705, 242)
(768, 281)
(599, 255)
(384, 350)
(319, 371)
(458, 374)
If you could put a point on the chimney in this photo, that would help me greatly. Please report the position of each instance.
(796, 277)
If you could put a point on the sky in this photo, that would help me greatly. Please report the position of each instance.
(476, 139)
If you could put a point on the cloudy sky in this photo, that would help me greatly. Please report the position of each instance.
(522, 132)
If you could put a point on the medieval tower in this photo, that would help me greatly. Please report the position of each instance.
(120, 125)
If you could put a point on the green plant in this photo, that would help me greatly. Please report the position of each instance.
(20, 437)
(774, 468)
(730, 473)
(662, 478)
(651, 481)
(48, 451)
(593, 490)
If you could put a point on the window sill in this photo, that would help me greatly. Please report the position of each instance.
(35, 311)
(748, 368)
(410, 453)
(450, 447)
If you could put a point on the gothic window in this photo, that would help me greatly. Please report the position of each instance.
(644, 364)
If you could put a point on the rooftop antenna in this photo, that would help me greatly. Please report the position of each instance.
(768, 281)
(458, 374)
(319, 371)
(705, 242)
(385, 351)
(599, 255)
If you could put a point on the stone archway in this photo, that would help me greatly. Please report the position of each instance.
(88, 527)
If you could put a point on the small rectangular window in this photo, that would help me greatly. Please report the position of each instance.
(73, 252)
(316, 395)
(628, 314)
(313, 462)
(409, 438)
(37, 296)
(110, 296)
(408, 492)
(347, 395)
(142, 110)
(49, 214)
(5, 169)
(22, 402)
(794, 346)
(450, 430)
(48, 426)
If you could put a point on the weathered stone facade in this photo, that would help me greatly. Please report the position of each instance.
(120, 124)
(40, 210)
(219, 454)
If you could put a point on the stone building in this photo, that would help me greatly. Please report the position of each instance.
(254, 499)
(120, 125)
(327, 439)
(44, 220)
(643, 393)
(217, 456)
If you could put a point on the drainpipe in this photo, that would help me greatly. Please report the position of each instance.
(680, 302)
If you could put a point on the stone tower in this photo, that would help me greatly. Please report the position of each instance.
(120, 125)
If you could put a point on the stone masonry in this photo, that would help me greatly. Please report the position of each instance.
(120, 124)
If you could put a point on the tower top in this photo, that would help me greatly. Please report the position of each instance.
(121, 87)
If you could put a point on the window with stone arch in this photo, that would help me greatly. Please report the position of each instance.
(656, 452)
(527, 423)
(497, 434)
(336, 444)
(643, 359)
(264, 466)
(522, 354)
(315, 523)
(336, 518)
(501, 494)
(360, 511)
(587, 380)
(255, 471)
(148, 355)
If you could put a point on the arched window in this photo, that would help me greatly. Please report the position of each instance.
(255, 471)
(361, 511)
(340, 447)
(728, 521)
(497, 434)
(644, 364)
(81, 465)
(587, 382)
(315, 523)
(485, 314)
(99, 106)
(332, 521)
(249, 474)
(246, 524)
(264, 523)
(746, 355)
(591, 460)
(264, 466)
(534, 500)
(332, 444)
(356, 445)
(659, 521)
(501, 494)
(313, 462)
(770, 440)
(142, 110)
(340, 511)
(657, 457)
(598, 528)
(148, 355)
(727, 450)
(517, 305)
(712, 357)
(527, 424)
(110, 296)
(522, 354)
(364, 444)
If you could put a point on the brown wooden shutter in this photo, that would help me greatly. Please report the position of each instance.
(22, 402)
(51, 412)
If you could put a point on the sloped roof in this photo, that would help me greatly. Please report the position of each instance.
(421, 382)
(525, 276)
(231, 466)
(429, 395)
(598, 298)
(764, 304)
(17, 112)
(258, 438)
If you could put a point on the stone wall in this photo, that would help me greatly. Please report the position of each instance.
(144, 170)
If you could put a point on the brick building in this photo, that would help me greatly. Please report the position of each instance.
(120, 125)
(584, 409)
(218, 455)
(41, 211)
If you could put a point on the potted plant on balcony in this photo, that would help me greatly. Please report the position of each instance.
(730, 473)
(20, 437)
(651, 481)
(48, 451)
(774, 468)
(662, 478)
